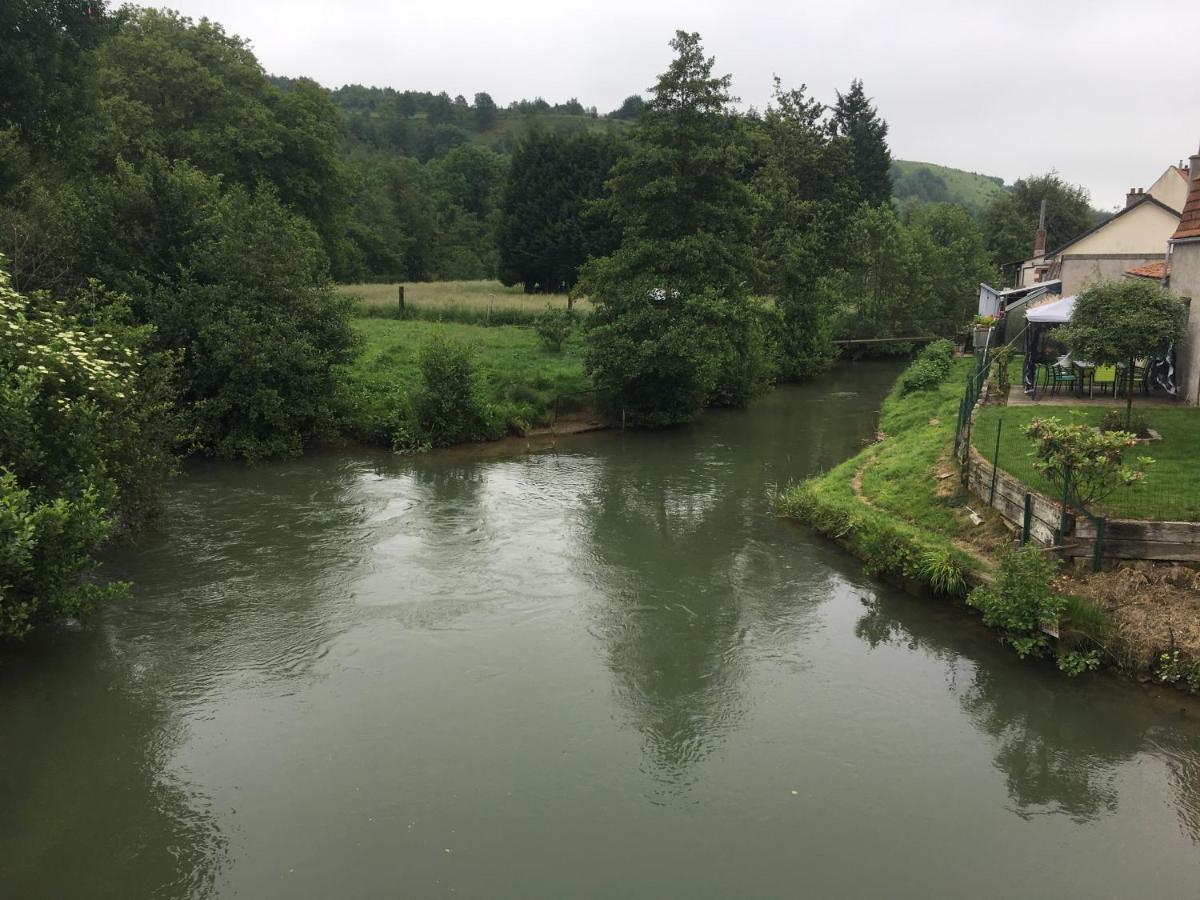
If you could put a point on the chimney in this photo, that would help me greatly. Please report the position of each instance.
(1039, 236)
(1132, 197)
(1193, 167)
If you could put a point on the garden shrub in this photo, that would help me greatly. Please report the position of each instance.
(1114, 420)
(1094, 458)
(1022, 601)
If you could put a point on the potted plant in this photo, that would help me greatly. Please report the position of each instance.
(983, 329)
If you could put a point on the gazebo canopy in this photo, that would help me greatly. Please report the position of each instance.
(1055, 313)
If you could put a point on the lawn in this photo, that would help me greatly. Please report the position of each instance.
(515, 372)
(1171, 490)
(473, 295)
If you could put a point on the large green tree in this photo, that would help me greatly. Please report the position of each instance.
(855, 118)
(1010, 220)
(673, 327)
(548, 226)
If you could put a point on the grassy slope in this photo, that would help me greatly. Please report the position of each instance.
(1172, 487)
(968, 188)
(897, 518)
(515, 372)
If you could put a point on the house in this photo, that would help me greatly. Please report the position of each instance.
(1129, 239)
(1184, 262)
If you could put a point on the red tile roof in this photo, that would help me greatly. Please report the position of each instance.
(1189, 219)
(1153, 270)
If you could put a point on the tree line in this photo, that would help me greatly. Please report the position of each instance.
(172, 221)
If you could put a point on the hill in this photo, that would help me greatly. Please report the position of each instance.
(922, 182)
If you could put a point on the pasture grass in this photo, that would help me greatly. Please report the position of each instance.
(522, 379)
(476, 296)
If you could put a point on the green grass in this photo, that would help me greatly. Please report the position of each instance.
(472, 295)
(524, 380)
(899, 477)
(1171, 490)
(905, 528)
(970, 189)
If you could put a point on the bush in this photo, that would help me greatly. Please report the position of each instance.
(86, 429)
(1022, 602)
(1114, 420)
(553, 326)
(447, 407)
(1094, 458)
(929, 369)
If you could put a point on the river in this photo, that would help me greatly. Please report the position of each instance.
(595, 670)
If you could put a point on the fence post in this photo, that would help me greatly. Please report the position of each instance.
(1062, 519)
(1027, 520)
(995, 463)
(1098, 549)
(401, 299)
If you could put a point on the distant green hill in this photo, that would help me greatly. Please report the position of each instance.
(921, 182)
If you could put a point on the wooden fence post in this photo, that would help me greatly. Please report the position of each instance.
(401, 299)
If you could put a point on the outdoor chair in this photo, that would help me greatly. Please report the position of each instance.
(1061, 375)
(1138, 379)
(1104, 378)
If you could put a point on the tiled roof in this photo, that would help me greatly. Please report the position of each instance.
(1153, 270)
(1189, 219)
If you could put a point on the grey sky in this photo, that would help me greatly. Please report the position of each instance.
(1105, 92)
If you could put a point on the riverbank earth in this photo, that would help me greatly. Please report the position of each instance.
(602, 669)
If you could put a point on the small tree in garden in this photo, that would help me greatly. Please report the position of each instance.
(1120, 321)
(1094, 458)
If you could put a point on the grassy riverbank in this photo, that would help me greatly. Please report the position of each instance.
(898, 506)
(526, 383)
(888, 506)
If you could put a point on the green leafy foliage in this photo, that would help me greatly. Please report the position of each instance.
(553, 326)
(672, 327)
(1010, 220)
(929, 369)
(547, 227)
(447, 407)
(1022, 602)
(86, 430)
(1094, 458)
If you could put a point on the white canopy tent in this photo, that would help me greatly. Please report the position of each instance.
(1054, 313)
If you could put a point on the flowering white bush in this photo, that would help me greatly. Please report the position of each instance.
(85, 434)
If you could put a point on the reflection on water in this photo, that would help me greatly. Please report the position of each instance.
(1059, 744)
(603, 669)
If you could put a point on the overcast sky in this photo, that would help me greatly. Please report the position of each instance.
(1107, 93)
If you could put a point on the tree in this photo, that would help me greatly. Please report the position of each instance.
(855, 118)
(1118, 322)
(956, 262)
(798, 208)
(1010, 220)
(547, 227)
(672, 327)
(485, 112)
(629, 109)
(86, 432)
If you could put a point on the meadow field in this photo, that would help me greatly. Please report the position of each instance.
(473, 296)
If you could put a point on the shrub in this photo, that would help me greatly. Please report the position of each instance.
(1094, 458)
(1022, 602)
(1114, 420)
(447, 407)
(86, 430)
(929, 369)
(553, 326)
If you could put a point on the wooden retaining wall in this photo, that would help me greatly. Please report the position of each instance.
(1010, 501)
(1123, 538)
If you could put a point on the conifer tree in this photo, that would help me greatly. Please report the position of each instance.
(855, 118)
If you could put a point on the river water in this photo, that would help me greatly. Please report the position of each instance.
(595, 670)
